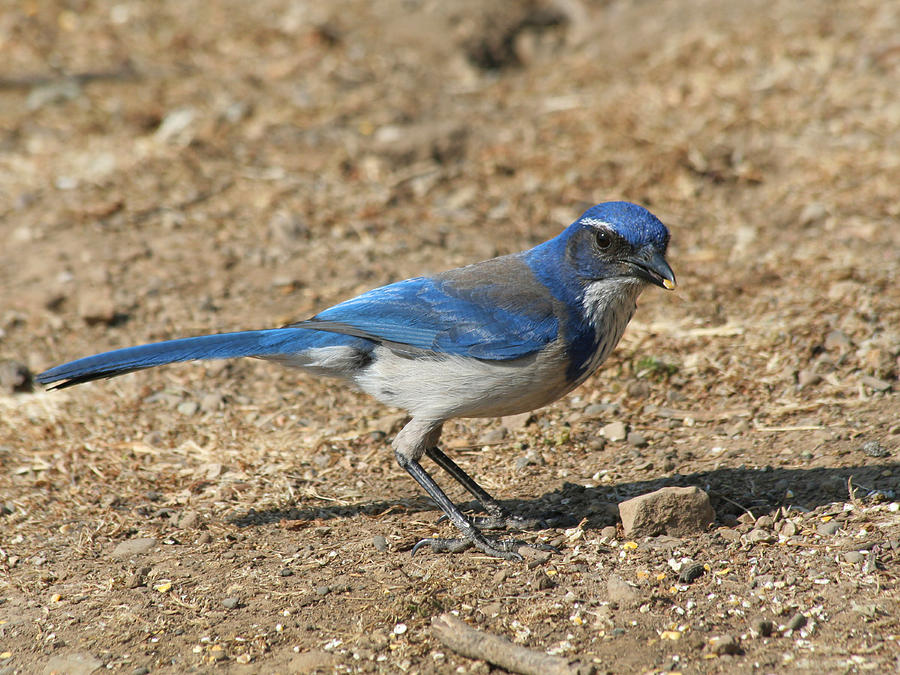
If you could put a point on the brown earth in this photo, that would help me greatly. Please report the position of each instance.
(175, 168)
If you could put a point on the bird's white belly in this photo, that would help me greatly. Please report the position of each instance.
(442, 386)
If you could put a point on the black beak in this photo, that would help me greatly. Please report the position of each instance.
(652, 266)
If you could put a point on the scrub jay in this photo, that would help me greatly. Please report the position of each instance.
(499, 337)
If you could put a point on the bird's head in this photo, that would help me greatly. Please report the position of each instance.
(620, 240)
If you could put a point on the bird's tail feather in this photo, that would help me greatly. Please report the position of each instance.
(260, 343)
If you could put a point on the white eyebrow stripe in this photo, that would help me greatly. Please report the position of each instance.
(596, 222)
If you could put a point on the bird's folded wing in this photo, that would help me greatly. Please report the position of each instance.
(454, 314)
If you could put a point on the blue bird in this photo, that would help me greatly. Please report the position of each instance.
(499, 337)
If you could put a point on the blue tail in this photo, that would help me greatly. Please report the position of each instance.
(260, 343)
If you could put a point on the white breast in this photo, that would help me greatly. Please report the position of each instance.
(609, 305)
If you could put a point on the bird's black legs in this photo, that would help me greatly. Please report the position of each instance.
(498, 517)
(491, 505)
(472, 536)
(419, 437)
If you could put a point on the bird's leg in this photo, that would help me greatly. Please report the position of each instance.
(498, 517)
(491, 505)
(409, 446)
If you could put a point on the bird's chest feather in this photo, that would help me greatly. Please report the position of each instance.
(608, 306)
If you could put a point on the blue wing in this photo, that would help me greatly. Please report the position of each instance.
(494, 310)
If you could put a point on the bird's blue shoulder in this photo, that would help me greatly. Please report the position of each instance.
(493, 310)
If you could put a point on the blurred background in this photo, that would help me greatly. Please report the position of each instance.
(173, 168)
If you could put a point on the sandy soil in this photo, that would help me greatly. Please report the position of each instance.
(175, 168)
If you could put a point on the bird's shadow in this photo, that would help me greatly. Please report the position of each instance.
(732, 491)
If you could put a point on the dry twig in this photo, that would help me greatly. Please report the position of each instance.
(476, 644)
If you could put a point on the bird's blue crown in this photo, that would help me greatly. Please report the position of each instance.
(633, 223)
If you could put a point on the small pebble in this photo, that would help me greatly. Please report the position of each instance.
(541, 581)
(765, 522)
(286, 572)
(322, 590)
(691, 573)
(531, 457)
(829, 528)
(807, 378)
(724, 644)
(875, 449)
(231, 603)
(854, 557)
(636, 439)
(788, 529)
(796, 623)
(380, 543)
(729, 534)
(757, 536)
(188, 408)
(204, 538)
(140, 670)
(763, 627)
(615, 431)
(609, 532)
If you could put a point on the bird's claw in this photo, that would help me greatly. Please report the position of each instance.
(508, 549)
(506, 521)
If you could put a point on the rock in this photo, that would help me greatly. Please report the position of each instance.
(724, 644)
(875, 449)
(15, 377)
(516, 422)
(765, 522)
(620, 591)
(78, 663)
(807, 378)
(541, 581)
(609, 532)
(836, 340)
(672, 510)
(177, 127)
(188, 408)
(691, 573)
(814, 212)
(876, 383)
(141, 670)
(532, 457)
(286, 572)
(311, 662)
(189, 520)
(615, 431)
(96, 306)
(854, 557)
(492, 436)
(380, 543)
(829, 528)
(638, 389)
(231, 603)
(636, 439)
(729, 534)
(788, 528)
(797, 622)
(134, 547)
(211, 402)
(757, 536)
(763, 627)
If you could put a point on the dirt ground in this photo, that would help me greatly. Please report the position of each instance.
(175, 168)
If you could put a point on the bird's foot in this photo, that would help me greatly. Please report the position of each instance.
(501, 519)
(507, 549)
(508, 521)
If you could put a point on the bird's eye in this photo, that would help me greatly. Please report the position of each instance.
(604, 241)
